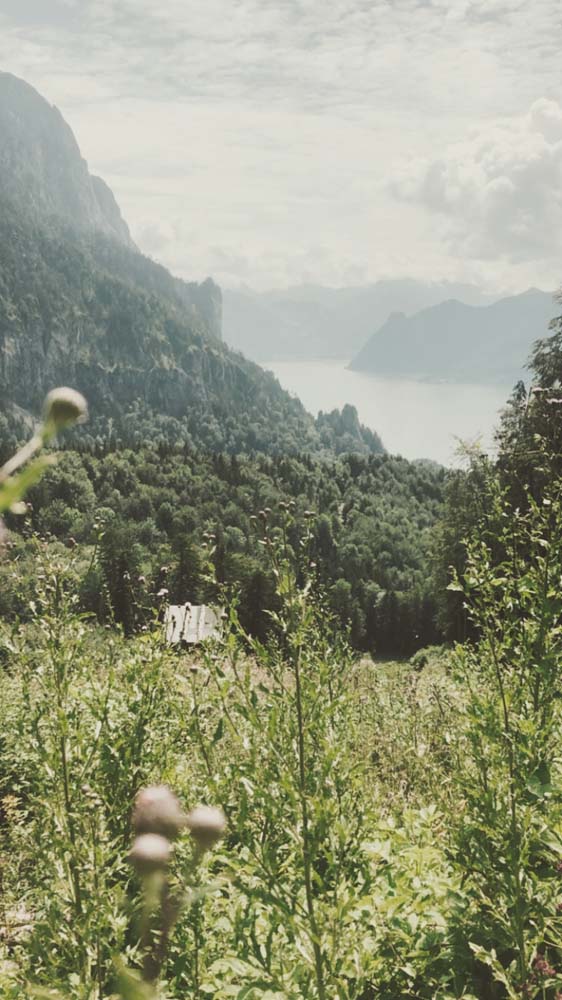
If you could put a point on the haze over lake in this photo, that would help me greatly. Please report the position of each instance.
(414, 419)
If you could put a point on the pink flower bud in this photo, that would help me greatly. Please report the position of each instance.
(157, 810)
(150, 853)
(207, 826)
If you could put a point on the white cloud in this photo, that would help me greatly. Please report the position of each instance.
(253, 139)
(499, 192)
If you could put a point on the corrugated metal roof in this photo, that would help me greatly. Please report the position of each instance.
(191, 623)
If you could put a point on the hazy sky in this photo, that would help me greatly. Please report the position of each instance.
(271, 142)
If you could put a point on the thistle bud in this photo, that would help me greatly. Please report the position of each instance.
(150, 853)
(207, 825)
(64, 407)
(157, 810)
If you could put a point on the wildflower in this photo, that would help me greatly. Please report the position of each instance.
(207, 825)
(163, 592)
(541, 965)
(157, 810)
(64, 407)
(150, 853)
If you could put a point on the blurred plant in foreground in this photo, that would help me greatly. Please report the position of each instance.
(63, 407)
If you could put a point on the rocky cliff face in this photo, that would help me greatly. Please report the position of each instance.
(41, 166)
(43, 174)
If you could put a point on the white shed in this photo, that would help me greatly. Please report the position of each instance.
(191, 623)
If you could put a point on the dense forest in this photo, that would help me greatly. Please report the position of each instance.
(130, 512)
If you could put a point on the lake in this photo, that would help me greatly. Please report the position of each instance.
(414, 419)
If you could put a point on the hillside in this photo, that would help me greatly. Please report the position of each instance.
(310, 322)
(80, 305)
(452, 340)
(41, 168)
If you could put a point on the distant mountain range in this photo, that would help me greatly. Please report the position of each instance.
(460, 342)
(311, 322)
(80, 305)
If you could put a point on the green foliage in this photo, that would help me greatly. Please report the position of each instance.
(371, 848)
(134, 512)
(394, 830)
(510, 835)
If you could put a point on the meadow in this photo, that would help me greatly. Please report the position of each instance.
(320, 825)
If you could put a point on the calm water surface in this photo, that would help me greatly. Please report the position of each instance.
(414, 419)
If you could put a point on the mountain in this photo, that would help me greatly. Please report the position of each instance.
(41, 168)
(311, 322)
(461, 342)
(80, 305)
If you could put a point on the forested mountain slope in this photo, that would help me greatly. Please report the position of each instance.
(80, 305)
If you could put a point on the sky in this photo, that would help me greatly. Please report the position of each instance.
(321, 141)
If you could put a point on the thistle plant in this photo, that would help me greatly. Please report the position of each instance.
(158, 820)
(63, 407)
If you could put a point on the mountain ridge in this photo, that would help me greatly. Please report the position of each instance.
(310, 322)
(459, 341)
